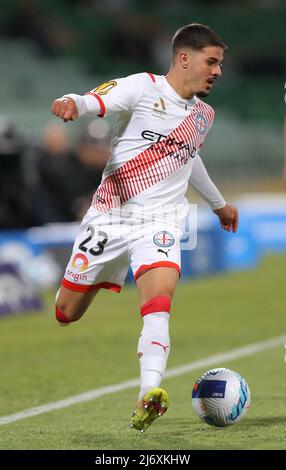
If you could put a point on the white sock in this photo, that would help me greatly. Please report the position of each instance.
(153, 350)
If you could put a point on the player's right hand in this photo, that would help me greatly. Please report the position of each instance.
(65, 108)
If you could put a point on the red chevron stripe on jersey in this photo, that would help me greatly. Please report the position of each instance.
(154, 164)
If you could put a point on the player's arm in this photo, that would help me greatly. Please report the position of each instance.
(113, 96)
(201, 181)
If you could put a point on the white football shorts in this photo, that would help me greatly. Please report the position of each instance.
(107, 244)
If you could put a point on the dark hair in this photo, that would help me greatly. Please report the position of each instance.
(195, 36)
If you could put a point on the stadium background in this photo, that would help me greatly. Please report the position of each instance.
(48, 172)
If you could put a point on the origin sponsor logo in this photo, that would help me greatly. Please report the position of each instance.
(77, 277)
(80, 262)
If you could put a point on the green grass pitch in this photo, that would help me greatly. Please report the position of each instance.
(42, 362)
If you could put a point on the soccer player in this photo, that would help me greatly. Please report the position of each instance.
(137, 213)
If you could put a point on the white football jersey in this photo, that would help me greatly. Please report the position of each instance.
(157, 138)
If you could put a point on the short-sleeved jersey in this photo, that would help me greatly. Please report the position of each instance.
(157, 137)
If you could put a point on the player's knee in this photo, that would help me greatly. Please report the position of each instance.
(66, 314)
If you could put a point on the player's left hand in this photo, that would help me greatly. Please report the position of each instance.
(228, 217)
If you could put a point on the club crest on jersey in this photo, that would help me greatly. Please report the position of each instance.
(201, 124)
(164, 239)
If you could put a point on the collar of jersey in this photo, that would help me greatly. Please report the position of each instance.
(190, 102)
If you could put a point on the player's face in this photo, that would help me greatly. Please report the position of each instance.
(204, 69)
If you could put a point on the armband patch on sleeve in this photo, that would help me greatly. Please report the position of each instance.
(105, 87)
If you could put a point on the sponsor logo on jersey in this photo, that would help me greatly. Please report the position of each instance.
(179, 150)
(159, 108)
(105, 87)
(164, 239)
(201, 124)
(76, 277)
(80, 262)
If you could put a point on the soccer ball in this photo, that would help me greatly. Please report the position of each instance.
(221, 397)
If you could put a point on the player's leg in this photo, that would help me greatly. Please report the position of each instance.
(71, 305)
(155, 261)
(159, 281)
(99, 260)
(156, 287)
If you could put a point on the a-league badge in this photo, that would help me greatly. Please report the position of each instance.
(201, 123)
(164, 239)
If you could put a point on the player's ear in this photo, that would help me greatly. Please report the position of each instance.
(184, 59)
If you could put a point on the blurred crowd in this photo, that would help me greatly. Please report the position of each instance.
(125, 30)
(53, 180)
